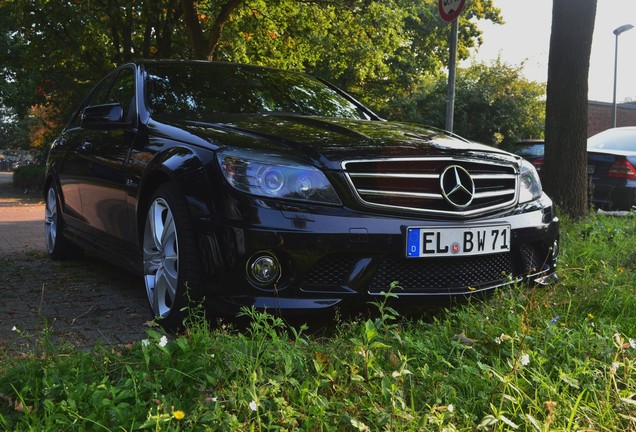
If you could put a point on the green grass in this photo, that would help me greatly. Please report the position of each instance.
(560, 358)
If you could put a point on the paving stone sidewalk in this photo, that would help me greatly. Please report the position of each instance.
(81, 303)
(21, 227)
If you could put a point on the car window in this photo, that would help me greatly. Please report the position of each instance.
(119, 88)
(123, 90)
(530, 150)
(614, 139)
(99, 96)
(197, 90)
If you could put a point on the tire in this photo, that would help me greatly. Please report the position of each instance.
(171, 258)
(57, 245)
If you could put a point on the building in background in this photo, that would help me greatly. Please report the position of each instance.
(599, 116)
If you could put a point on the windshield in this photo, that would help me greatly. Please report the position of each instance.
(614, 139)
(201, 89)
(530, 150)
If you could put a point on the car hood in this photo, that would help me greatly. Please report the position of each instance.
(326, 142)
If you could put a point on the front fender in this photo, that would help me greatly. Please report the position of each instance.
(185, 167)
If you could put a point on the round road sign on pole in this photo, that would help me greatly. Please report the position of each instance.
(449, 10)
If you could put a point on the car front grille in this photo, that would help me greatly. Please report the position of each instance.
(415, 184)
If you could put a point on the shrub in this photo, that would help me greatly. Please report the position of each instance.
(29, 178)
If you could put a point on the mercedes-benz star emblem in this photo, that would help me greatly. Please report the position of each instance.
(457, 186)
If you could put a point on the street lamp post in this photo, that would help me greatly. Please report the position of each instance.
(617, 32)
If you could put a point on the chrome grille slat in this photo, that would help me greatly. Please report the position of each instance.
(393, 175)
(400, 194)
(493, 176)
(413, 184)
(480, 195)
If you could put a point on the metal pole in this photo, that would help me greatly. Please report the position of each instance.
(615, 74)
(452, 60)
(617, 32)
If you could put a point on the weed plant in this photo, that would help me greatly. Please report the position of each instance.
(558, 358)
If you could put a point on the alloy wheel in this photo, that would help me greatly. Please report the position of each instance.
(160, 257)
(50, 219)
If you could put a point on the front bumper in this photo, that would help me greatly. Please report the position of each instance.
(344, 258)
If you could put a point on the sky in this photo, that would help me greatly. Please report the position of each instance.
(525, 38)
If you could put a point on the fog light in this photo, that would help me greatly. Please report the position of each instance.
(263, 270)
(555, 249)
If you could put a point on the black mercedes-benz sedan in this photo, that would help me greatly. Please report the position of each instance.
(250, 186)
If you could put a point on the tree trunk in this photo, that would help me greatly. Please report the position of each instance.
(217, 27)
(205, 47)
(198, 41)
(565, 167)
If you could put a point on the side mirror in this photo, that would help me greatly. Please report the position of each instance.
(108, 116)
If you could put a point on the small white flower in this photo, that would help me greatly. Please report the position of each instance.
(632, 343)
(163, 341)
(450, 408)
(614, 367)
(525, 360)
(145, 342)
(500, 339)
(14, 328)
(253, 406)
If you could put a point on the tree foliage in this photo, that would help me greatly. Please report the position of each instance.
(494, 104)
(381, 50)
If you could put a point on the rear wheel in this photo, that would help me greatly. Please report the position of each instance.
(57, 245)
(171, 259)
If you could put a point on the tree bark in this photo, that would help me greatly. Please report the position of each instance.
(217, 28)
(195, 31)
(204, 47)
(565, 167)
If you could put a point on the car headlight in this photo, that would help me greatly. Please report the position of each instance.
(275, 176)
(529, 183)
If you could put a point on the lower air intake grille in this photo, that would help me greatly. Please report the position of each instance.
(331, 270)
(441, 275)
(534, 257)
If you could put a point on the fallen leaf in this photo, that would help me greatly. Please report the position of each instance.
(19, 407)
(464, 340)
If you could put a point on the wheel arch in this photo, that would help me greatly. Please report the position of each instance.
(184, 168)
(150, 185)
(47, 182)
(49, 179)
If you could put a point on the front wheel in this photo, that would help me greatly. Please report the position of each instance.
(171, 259)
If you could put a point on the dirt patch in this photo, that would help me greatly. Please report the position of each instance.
(82, 302)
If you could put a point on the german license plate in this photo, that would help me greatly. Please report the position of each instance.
(457, 241)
